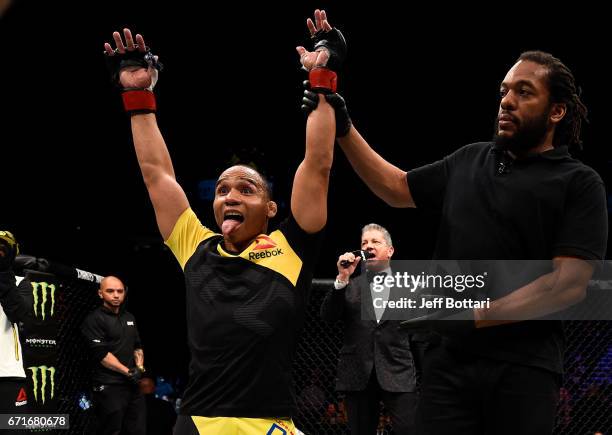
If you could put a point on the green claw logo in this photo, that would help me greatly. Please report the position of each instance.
(45, 288)
(44, 371)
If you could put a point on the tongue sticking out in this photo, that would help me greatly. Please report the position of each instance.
(229, 226)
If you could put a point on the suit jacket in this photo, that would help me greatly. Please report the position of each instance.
(368, 345)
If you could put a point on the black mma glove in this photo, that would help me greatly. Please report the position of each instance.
(310, 101)
(135, 100)
(324, 78)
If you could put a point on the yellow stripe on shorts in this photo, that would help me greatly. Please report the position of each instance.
(16, 340)
(243, 426)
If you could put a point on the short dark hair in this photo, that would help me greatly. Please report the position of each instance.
(266, 183)
(563, 89)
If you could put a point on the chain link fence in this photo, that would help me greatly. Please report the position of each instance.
(585, 407)
(74, 365)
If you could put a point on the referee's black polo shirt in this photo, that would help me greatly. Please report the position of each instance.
(496, 208)
(106, 332)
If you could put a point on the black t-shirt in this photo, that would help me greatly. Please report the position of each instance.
(495, 208)
(106, 332)
(244, 314)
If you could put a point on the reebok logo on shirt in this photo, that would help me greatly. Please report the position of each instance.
(264, 242)
(265, 254)
(130, 323)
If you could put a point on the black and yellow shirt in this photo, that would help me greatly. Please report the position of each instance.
(244, 314)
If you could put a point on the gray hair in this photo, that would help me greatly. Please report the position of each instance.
(383, 231)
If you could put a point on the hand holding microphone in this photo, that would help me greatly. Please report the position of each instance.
(360, 254)
(348, 262)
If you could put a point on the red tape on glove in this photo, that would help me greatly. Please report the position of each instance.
(323, 79)
(139, 101)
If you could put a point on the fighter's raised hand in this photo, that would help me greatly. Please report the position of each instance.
(131, 64)
(329, 52)
(319, 56)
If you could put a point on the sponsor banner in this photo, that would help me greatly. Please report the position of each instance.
(40, 342)
(43, 293)
(43, 381)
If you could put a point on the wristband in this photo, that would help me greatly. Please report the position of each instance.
(138, 101)
(323, 79)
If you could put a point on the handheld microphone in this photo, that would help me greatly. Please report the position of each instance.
(359, 253)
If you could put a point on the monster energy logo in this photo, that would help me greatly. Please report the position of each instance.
(44, 371)
(46, 291)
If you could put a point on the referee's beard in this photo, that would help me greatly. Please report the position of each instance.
(529, 134)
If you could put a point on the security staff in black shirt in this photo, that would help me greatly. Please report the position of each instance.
(115, 343)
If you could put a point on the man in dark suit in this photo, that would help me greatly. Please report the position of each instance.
(376, 363)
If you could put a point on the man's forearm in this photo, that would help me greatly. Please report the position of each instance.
(111, 362)
(151, 150)
(311, 181)
(387, 181)
(320, 135)
(168, 198)
(550, 293)
(139, 357)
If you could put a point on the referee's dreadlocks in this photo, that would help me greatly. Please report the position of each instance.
(563, 89)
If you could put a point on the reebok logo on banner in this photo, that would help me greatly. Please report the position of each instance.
(22, 398)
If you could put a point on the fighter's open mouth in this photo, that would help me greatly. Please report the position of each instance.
(233, 216)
